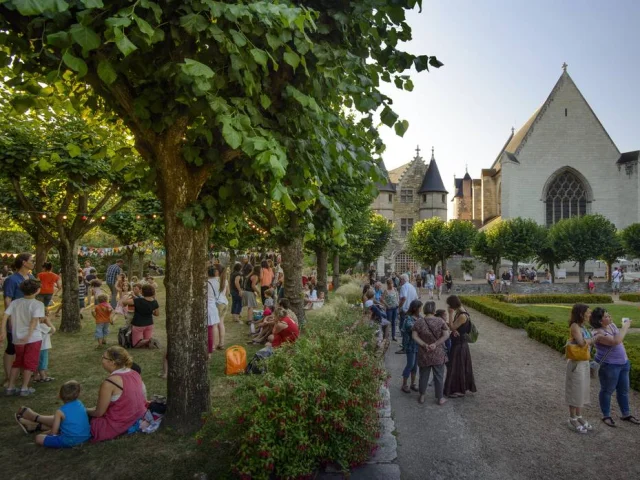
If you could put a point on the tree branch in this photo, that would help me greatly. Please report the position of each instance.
(27, 205)
(89, 226)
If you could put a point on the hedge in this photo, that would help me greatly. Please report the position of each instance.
(556, 335)
(509, 315)
(556, 298)
(630, 297)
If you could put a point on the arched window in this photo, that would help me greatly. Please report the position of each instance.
(567, 197)
(405, 263)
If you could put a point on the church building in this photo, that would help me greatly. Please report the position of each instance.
(414, 192)
(562, 163)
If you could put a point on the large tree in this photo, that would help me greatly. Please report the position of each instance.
(202, 84)
(521, 238)
(631, 240)
(434, 240)
(489, 248)
(582, 238)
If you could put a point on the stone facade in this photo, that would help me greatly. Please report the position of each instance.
(415, 192)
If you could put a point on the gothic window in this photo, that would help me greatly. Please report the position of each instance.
(406, 195)
(406, 224)
(566, 198)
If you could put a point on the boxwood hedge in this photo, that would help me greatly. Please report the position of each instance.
(556, 298)
(509, 315)
(630, 297)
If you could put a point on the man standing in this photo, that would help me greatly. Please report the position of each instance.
(407, 295)
(616, 278)
(112, 277)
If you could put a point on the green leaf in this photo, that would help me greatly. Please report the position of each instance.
(260, 57)
(401, 127)
(118, 22)
(144, 26)
(408, 86)
(22, 103)
(44, 165)
(421, 63)
(434, 62)
(238, 38)
(76, 64)
(231, 135)
(233, 242)
(193, 23)
(60, 40)
(92, 3)
(85, 37)
(265, 101)
(106, 72)
(388, 117)
(196, 69)
(292, 58)
(123, 43)
(73, 150)
(37, 7)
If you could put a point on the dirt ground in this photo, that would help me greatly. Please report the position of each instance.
(515, 426)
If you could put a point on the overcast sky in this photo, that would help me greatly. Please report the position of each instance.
(502, 58)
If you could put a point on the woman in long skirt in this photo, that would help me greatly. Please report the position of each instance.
(459, 369)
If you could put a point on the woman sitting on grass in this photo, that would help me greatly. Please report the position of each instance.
(284, 331)
(121, 400)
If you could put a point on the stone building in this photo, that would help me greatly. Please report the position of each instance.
(414, 192)
(560, 164)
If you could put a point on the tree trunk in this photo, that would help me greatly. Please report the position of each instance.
(552, 271)
(42, 251)
(69, 273)
(515, 271)
(495, 267)
(232, 260)
(129, 256)
(443, 266)
(609, 268)
(141, 263)
(292, 256)
(185, 279)
(581, 271)
(336, 271)
(322, 260)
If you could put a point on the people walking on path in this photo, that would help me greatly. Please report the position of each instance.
(459, 369)
(410, 346)
(390, 300)
(407, 295)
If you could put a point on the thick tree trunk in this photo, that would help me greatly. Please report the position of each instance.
(292, 256)
(322, 259)
(443, 262)
(185, 280)
(495, 267)
(515, 271)
(581, 271)
(336, 271)
(552, 271)
(609, 269)
(129, 257)
(141, 263)
(69, 272)
(42, 251)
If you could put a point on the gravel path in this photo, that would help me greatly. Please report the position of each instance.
(515, 426)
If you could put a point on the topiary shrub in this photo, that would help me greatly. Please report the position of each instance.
(351, 292)
(556, 298)
(630, 297)
(511, 316)
(316, 405)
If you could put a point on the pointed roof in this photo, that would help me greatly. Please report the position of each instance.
(385, 187)
(432, 181)
(629, 157)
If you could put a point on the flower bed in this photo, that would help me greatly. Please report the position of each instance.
(316, 405)
(509, 315)
(630, 297)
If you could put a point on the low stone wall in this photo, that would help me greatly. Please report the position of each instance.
(461, 288)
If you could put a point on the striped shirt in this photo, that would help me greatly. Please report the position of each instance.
(112, 273)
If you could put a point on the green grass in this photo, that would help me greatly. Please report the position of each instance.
(559, 313)
(161, 455)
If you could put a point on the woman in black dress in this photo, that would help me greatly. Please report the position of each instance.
(448, 281)
(459, 369)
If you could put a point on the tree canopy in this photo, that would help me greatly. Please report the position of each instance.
(433, 240)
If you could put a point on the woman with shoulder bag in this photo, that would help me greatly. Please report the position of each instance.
(614, 365)
(459, 369)
(577, 383)
(390, 300)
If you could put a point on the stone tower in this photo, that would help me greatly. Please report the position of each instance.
(433, 195)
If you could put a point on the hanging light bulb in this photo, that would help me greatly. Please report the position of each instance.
(44, 215)
(155, 216)
(137, 217)
(64, 217)
(103, 217)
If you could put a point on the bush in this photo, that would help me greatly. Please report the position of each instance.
(316, 405)
(556, 336)
(509, 315)
(557, 298)
(630, 297)
(347, 279)
(351, 292)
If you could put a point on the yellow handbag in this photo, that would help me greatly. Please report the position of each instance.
(577, 353)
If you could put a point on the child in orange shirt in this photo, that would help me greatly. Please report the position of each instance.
(103, 313)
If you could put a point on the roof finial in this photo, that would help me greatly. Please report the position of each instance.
(466, 168)
(513, 130)
(418, 151)
(432, 156)
(564, 67)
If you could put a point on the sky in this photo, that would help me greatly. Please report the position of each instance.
(501, 60)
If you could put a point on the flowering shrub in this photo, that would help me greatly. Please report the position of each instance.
(316, 405)
(351, 292)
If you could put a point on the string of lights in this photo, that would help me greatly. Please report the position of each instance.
(85, 216)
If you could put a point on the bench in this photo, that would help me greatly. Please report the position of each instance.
(561, 273)
(599, 273)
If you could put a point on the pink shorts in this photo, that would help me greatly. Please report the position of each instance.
(27, 356)
(139, 333)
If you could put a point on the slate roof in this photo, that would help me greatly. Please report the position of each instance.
(432, 181)
(457, 183)
(385, 187)
(629, 157)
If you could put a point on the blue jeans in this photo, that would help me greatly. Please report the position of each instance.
(614, 377)
(412, 364)
(392, 316)
(236, 304)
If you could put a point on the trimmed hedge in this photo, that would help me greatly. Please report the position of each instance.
(630, 297)
(557, 298)
(509, 315)
(555, 336)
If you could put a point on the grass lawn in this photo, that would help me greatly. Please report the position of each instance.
(559, 313)
(161, 455)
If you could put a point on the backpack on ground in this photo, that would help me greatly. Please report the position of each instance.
(236, 360)
(258, 364)
(124, 337)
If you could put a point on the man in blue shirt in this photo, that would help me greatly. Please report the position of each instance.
(22, 265)
(112, 277)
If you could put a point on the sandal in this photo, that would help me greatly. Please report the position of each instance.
(18, 417)
(630, 419)
(608, 421)
(442, 401)
(584, 423)
(575, 425)
(47, 379)
(405, 389)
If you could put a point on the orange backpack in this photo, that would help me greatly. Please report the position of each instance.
(236, 360)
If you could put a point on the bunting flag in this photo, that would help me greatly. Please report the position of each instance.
(147, 246)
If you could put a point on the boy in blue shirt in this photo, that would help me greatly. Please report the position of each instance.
(69, 425)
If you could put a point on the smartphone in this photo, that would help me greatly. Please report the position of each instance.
(625, 320)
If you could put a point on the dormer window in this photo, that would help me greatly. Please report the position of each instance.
(406, 195)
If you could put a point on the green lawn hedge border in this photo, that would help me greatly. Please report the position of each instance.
(630, 297)
(556, 335)
(556, 298)
(503, 312)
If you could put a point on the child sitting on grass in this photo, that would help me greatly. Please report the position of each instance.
(103, 313)
(69, 425)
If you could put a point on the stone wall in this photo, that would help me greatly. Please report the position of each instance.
(477, 200)
(462, 288)
(489, 194)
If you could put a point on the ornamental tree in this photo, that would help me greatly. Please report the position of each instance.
(631, 239)
(489, 248)
(434, 240)
(204, 84)
(521, 238)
